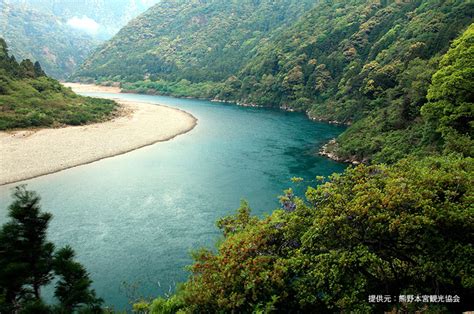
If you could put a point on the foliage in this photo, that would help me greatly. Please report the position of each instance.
(28, 262)
(73, 287)
(404, 229)
(183, 88)
(397, 230)
(26, 256)
(361, 62)
(450, 110)
(445, 123)
(171, 305)
(28, 98)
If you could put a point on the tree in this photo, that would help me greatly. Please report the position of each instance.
(396, 230)
(38, 70)
(450, 111)
(28, 262)
(73, 288)
(3, 48)
(27, 69)
(25, 253)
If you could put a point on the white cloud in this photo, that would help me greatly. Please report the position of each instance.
(85, 24)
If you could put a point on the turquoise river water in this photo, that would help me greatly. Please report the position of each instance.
(134, 218)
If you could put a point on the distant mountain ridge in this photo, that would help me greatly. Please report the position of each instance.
(109, 15)
(60, 34)
(42, 37)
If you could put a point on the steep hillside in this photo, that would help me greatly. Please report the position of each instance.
(352, 48)
(192, 40)
(42, 37)
(28, 98)
(358, 61)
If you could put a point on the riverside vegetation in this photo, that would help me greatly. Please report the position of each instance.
(402, 73)
(28, 98)
(404, 229)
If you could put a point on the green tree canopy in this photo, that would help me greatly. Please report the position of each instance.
(405, 229)
(26, 256)
(73, 288)
(450, 111)
(28, 263)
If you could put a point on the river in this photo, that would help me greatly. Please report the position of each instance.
(134, 218)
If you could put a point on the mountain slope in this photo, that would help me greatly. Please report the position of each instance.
(352, 48)
(42, 37)
(193, 40)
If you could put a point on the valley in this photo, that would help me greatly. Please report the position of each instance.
(251, 156)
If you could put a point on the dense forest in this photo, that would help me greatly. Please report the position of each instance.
(365, 63)
(191, 40)
(42, 37)
(29, 98)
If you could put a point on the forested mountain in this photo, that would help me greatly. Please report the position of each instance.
(393, 234)
(367, 63)
(101, 18)
(28, 98)
(358, 61)
(43, 37)
(193, 40)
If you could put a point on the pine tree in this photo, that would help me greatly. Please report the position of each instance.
(73, 289)
(3, 48)
(28, 262)
(25, 254)
(38, 70)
